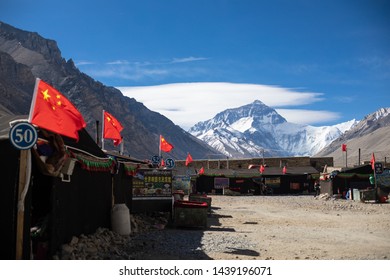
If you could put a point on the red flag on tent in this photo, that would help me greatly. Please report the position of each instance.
(344, 147)
(112, 128)
(261, 169)
(372, 161)
(53, 111)
(201, 171)
(284, 169)
(164, 145)
(188, 159)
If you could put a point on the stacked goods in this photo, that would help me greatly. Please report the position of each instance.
(201, 198)
(190, 213)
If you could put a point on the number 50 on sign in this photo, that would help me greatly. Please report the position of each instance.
(23, 136)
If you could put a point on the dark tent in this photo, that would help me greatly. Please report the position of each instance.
(55, 207)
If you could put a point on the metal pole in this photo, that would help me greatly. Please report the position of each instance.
(227, 162)
(103, 130)
(122, 147)
(97, 133)
(262, 151)
(376, 186)
(359, 158)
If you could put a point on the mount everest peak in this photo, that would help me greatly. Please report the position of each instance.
(255, 130)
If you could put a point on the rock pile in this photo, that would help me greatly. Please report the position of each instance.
(108, 245)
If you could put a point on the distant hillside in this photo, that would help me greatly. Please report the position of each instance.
(26, 55)
(370, 135)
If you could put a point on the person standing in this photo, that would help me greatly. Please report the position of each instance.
(317, 188)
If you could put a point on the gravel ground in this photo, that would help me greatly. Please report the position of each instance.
(252, 227)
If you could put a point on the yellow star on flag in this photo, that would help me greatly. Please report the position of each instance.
(45, 94)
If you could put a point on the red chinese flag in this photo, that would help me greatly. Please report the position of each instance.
(52, 111)
(261, 169)
(201, 171)
(372, 161)
(188, 159)
(344, 147)
(164, 145)
(112, 128)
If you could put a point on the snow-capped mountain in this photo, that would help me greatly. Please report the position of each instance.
(370, 135)
(256, 130)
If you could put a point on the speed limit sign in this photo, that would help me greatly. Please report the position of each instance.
(23, 136)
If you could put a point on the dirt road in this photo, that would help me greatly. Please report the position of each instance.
(299, 227)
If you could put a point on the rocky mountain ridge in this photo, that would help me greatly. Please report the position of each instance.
(370, 135)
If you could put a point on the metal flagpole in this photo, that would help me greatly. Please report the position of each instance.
(37, 80)
(159, 147)
(103, 130)
(376, 186)
(122, 148)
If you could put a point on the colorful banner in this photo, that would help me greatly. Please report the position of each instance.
(181, 183)
(152, 182)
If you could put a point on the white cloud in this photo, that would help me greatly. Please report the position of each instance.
(118, 62)
(188, 59)
(126, 72)
(144, 70)
(84, 62)
(188, 103)
(308, 116)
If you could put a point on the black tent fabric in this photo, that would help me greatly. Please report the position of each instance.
(9, 170)
(59, 208)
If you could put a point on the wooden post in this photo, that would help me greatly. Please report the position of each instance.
(20, 216)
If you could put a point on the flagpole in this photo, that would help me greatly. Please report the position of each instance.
(376, 186)
(122, 148)
(103, 129)
(34, 98)
(159, 147)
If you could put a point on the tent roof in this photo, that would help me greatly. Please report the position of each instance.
(5, 119)
(363, 169)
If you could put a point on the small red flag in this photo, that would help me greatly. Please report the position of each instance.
(344, 147)
(372, 161)
(112, 128)
(53, 111)
(284, 169)
(164, 145)
(201, 171)
(188, 159)
(261, 169)
(162, 164)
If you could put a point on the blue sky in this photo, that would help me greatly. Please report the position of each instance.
(315, 62)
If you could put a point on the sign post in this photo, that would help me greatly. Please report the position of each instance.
(23, 137)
